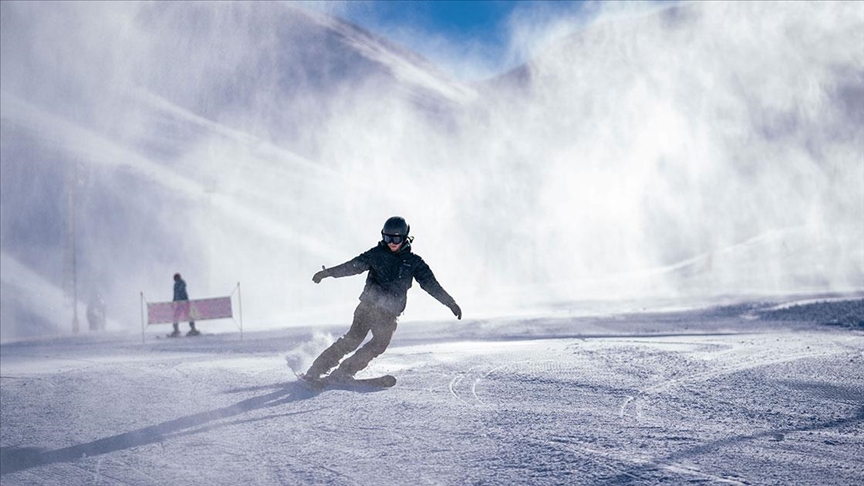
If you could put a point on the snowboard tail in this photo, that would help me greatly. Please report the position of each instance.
(383, 381)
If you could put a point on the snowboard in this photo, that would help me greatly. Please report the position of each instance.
(384, 381)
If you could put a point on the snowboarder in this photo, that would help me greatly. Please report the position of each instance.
(182, 308)
(392, 267)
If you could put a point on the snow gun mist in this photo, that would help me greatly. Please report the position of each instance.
(682, 153)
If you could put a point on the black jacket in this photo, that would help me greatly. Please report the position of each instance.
(180, 290)
(391, 275)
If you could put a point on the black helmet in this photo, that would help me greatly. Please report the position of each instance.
(396, 226)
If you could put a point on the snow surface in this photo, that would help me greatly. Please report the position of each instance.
(739, 394)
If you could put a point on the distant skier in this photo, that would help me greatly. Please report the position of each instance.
(392, 267)
(181, 309)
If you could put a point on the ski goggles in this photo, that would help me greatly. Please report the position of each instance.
(395, 239)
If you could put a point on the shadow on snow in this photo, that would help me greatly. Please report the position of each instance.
(14, 459)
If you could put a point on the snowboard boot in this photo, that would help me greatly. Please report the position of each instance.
(312, 374)
(192, 330)
(176, 332)
(340, 375)
(309, 378)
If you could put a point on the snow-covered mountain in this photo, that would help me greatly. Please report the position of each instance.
(190, 130)
(642, 165)
(708, 149)
(644, 142)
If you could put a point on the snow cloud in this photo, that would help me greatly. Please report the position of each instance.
(707, 149)
(300, 357)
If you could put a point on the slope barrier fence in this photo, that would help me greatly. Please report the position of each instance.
(191, 310)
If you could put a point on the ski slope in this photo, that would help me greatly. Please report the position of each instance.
(762, 393)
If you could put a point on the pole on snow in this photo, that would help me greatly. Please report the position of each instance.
(240, 308)
(142, 317)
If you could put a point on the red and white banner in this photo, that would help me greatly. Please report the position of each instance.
(189, 310)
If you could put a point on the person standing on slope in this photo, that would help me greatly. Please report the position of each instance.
(392, 267)
(182, 307)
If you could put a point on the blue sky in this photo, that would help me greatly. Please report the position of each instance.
(467, 39)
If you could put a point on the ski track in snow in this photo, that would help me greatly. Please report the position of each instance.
(745, 363)
(647, 400)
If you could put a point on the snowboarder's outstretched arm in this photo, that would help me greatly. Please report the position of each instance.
(424, 276)
(352, 267)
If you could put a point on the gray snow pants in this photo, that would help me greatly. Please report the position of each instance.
(367, 317)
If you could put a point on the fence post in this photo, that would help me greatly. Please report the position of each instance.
(240, 305)
(142, 317)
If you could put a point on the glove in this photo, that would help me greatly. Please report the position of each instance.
(457, 311)
(320, 275)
